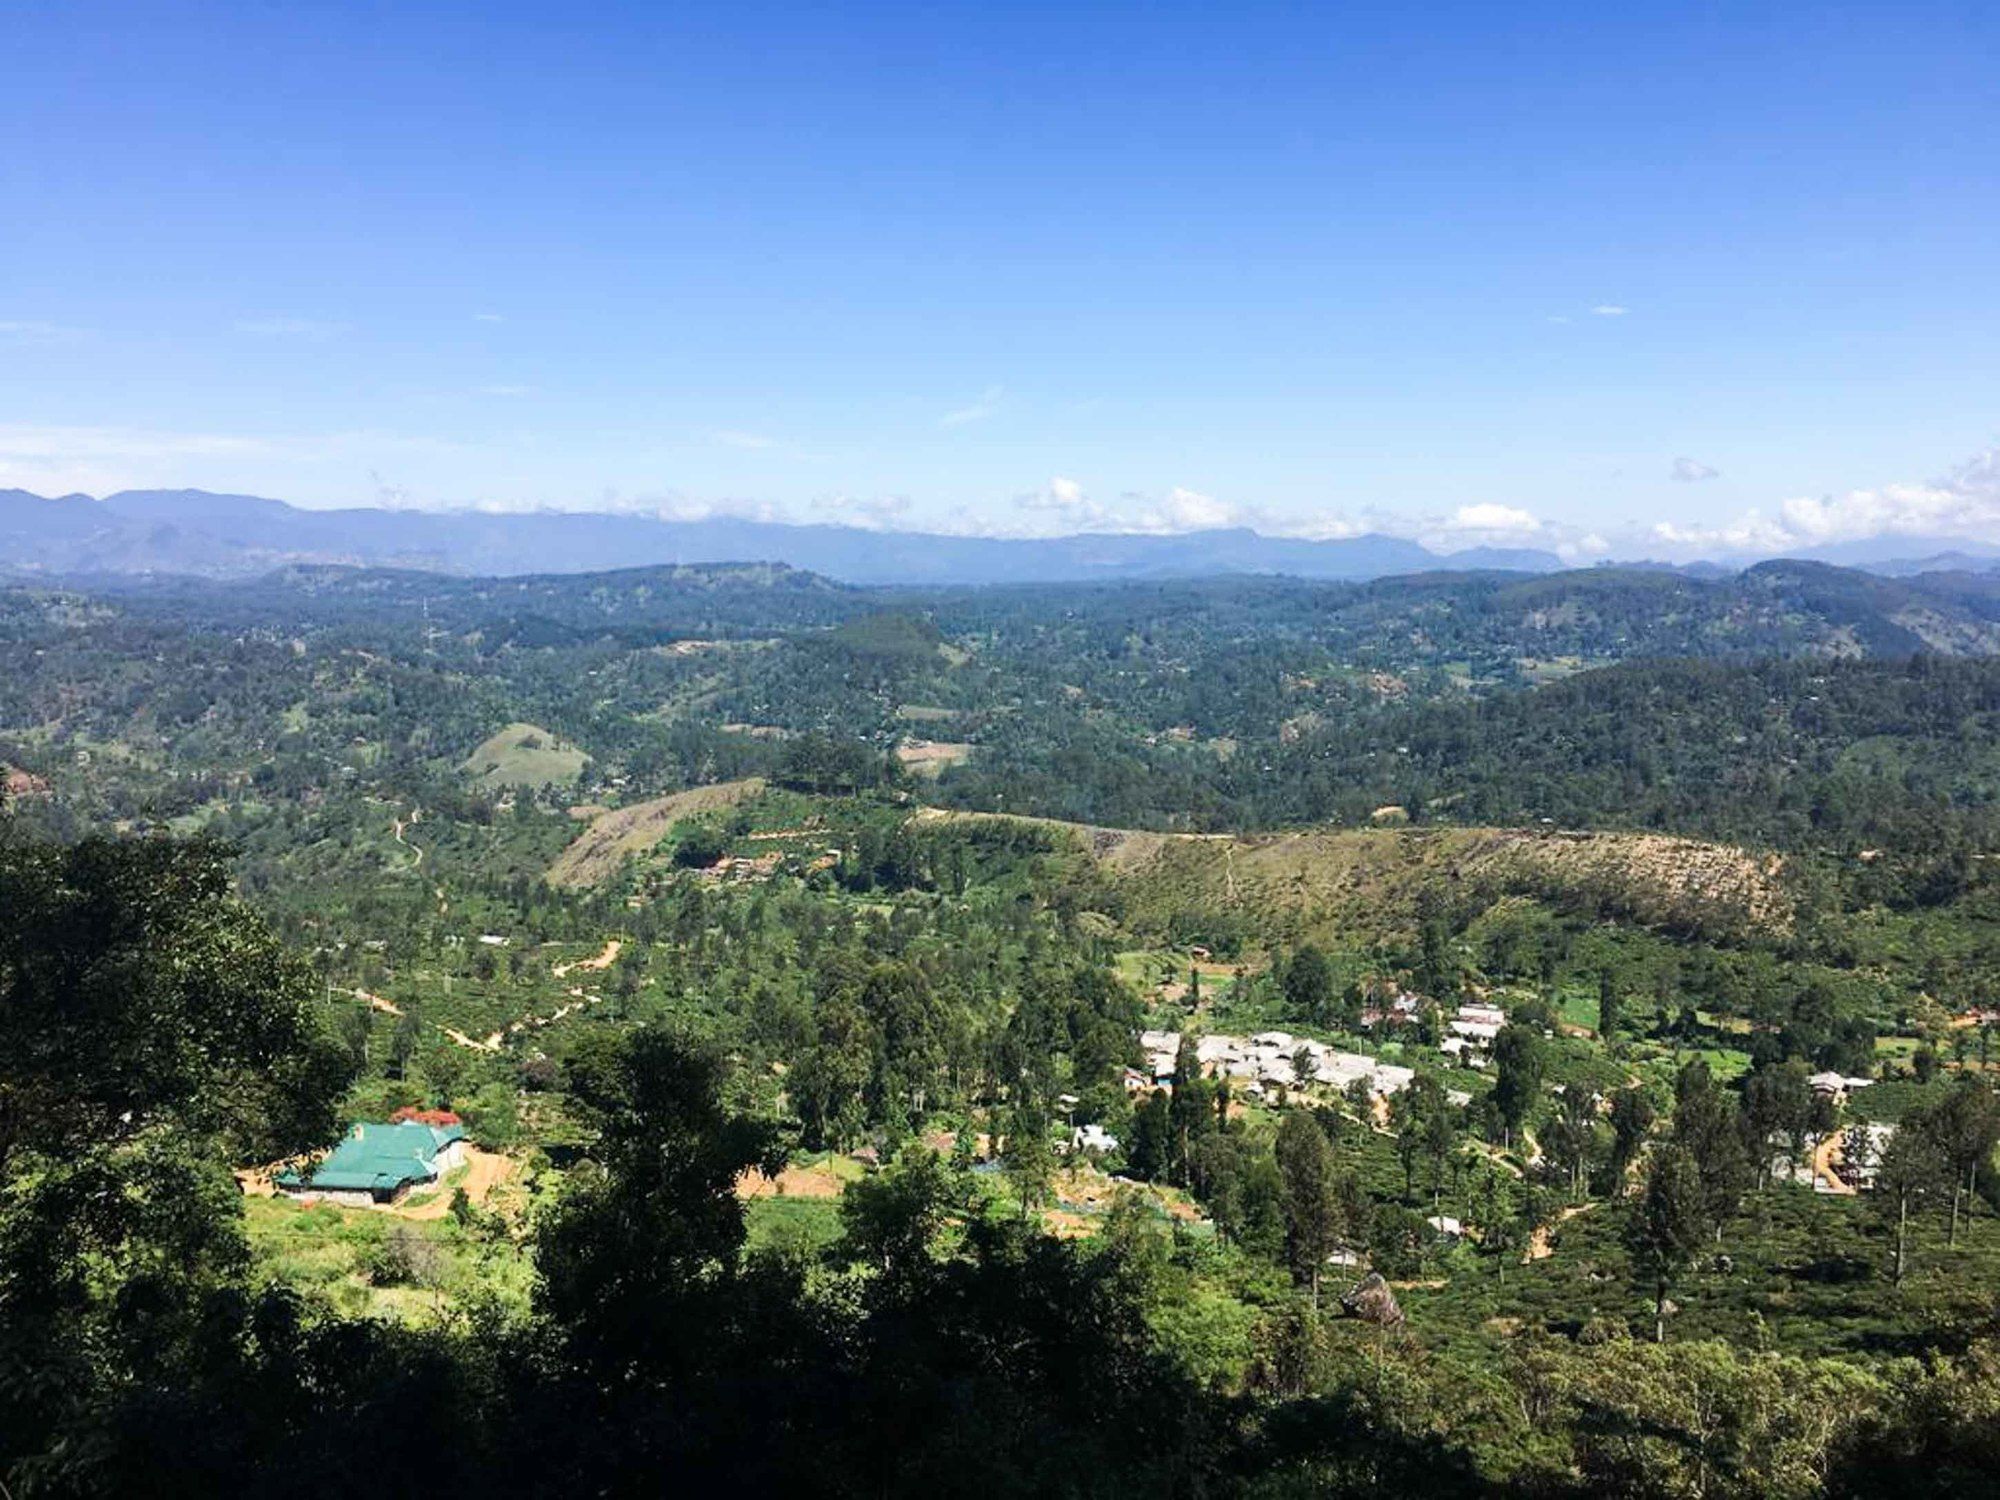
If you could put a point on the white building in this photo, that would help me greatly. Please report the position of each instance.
(1093, 1138)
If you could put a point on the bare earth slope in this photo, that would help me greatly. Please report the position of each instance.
(614, 837)
(1369, 878)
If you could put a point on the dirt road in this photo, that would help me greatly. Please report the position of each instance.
(1540, 1245)
(485, 1171)
(603, 960)
(1824, 1158)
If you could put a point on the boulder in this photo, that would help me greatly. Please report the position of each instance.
(1373, 1302)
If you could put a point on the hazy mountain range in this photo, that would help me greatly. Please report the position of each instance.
(194, 532)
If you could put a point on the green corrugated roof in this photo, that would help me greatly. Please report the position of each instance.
(378, 1158)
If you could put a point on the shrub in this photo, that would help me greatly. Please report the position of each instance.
(405, 1256)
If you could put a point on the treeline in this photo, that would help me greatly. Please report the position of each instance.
(1222, 704)
(1848, 755)
(1795, 754)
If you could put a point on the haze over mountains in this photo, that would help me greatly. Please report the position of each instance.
(194, 532)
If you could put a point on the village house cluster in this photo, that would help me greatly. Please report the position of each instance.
(1469, 1034)
(1268, 1061)
(1472, 1032)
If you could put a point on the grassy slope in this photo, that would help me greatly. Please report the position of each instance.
(524, 755)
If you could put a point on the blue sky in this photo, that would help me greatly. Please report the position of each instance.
(1474, 273)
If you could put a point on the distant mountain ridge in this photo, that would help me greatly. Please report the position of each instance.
(209, 535)
(202, 534)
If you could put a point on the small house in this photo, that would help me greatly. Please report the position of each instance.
(379, 1163)
(1093, 1138)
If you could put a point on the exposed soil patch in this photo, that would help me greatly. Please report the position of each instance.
(793, 1182)
(614, 837)
(603, 960)
(484, 1172)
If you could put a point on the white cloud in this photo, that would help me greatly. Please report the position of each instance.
(736, 438)
(659, 505)
(1963, 505)
(1325, 528)
(1064, 506)
(988, 403)
(1968, 505)
(97, 460)
(1488, 516)
(389, 496)
(289, 328)
(1752, 532)
(25, 440)
(1190, 510)
(1582, 549)
(1689, 471)
(1607, 310)
(487, 318)
(504, 390)
(35, 333)
(876, 513)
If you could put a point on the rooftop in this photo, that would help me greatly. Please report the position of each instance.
(378, 1157)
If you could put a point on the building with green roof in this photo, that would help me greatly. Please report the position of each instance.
(379, 1163)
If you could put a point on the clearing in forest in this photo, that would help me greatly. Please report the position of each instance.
(524, 755)
(602, 849)
(930, 757)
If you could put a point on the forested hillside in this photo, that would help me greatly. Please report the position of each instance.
(1464, 1034)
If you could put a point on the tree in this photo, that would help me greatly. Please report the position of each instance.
(1246, 1197)
(1308, 984)
(1571, 1137)
(1437, 966)
(1968, 1126)
(152, 1034)
(403, 1041)
(137, 995)
(1305, 1066)
(1427, 1130)
(356, 1028)
(1708, 1128)
(1310, 1197)
(1520, 1057)
(1777, 1105)
(1496, 1224)
(888, 1219)
(827, 1085)
(642, 1246)
(1190, 1115)
(1150, 1149)
(1913, 1169)
(1610, 1006)
(1031, 1164)
(444, 1070)
(1667, 1227)
(1632, 1116)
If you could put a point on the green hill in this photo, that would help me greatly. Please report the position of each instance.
(524, 755)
